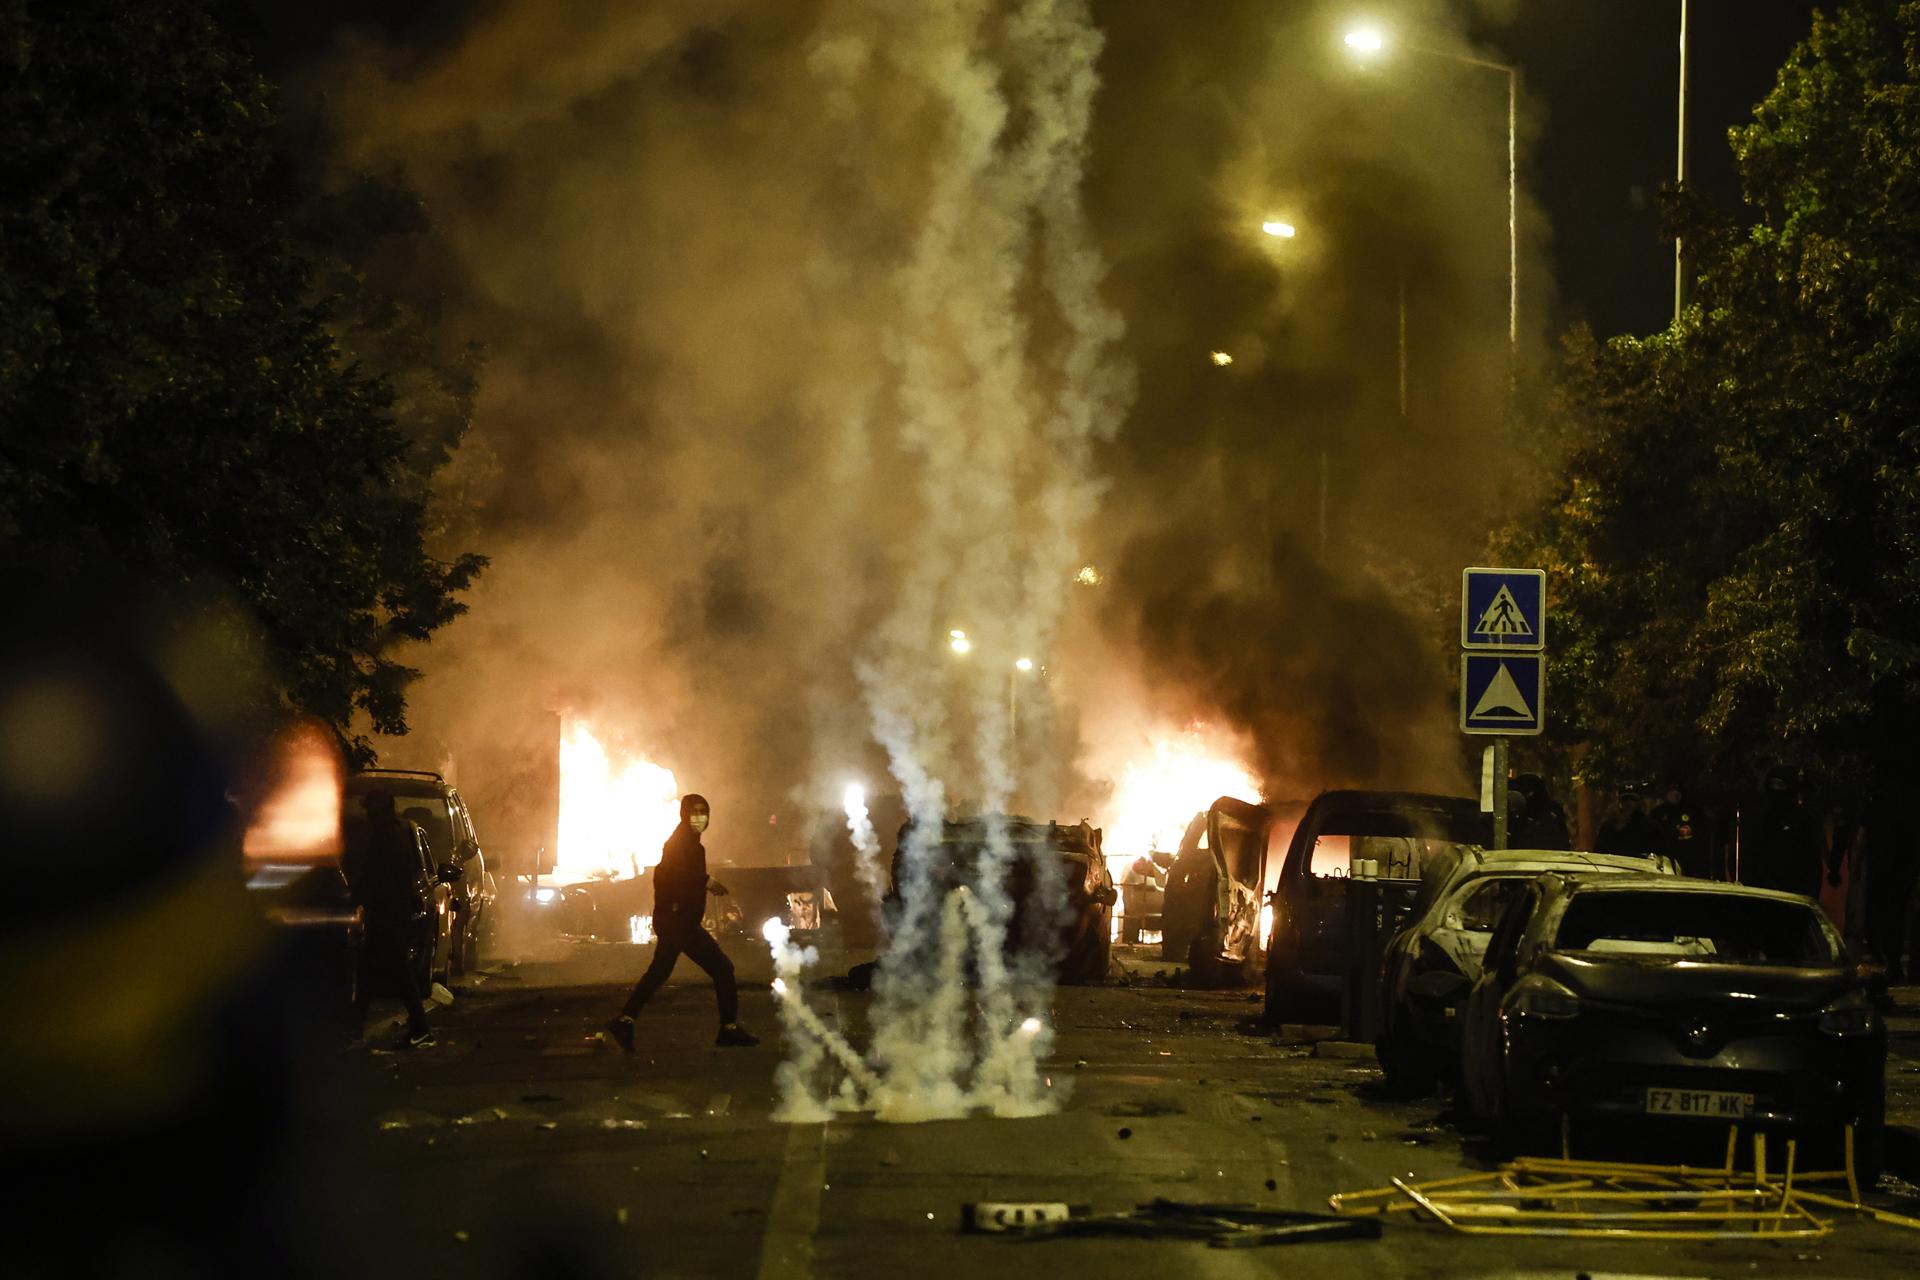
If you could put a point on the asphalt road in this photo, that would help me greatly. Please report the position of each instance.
(519, 1146)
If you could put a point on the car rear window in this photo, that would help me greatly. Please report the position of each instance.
(1726, 928)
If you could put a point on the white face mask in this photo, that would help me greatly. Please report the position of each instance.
(698, 821)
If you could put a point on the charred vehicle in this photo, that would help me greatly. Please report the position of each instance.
(1432, 963)
(432, 804)
(1055, 877)
(796, 896)
(1217, 886)
(1685, 1002)
(1385, 837)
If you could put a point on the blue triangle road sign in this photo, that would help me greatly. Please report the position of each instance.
(1503, 693)
(1503, 609)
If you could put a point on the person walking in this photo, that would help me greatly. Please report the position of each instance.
(384, 878)
(680, 889)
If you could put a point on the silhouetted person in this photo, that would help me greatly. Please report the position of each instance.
(1680, 832)
(385, 877)
(680, 889)
(1780, 846)
(1626, 828)
(1539, 823)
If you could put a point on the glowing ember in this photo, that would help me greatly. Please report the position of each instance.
(640, 930)
(614, 816)
(1153, 802)
(299, 820)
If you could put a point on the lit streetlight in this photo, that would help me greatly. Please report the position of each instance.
(1277, 229)
(1369, 42)
(1220, 358)
(958, 642)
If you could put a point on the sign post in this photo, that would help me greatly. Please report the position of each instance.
(1503, 670)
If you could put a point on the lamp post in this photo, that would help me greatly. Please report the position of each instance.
(1368, 42)
(1680, 164)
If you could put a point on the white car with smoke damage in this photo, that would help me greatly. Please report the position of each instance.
(1431, 965)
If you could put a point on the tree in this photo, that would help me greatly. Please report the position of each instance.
(174, 407)
(1733, 534)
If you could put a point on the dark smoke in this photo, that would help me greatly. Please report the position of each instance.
(683, 230)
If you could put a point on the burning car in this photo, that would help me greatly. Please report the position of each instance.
(1431, 964)
(1687, 1001)
(1384, 837)
(1083, 914)
(1215, 889)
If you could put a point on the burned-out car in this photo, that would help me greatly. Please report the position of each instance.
(1685, 1001)
(1055, 877)
(1216, 887)
(1384, 837)
(1430, 965)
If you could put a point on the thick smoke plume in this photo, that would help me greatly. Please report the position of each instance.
(822, 329)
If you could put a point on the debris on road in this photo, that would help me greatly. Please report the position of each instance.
(1561, 1196)
(1222, 1226)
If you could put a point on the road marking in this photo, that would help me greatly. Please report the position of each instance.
(786, 1252)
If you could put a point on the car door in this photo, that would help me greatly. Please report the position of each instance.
(1481, 1055)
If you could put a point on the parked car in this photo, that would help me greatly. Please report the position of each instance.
(1387, 837)
(434, 805)
(1431, 964)
(1082, 914)
(430, 929)
(1687, 1001)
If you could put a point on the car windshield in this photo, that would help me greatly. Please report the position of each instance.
(1389, 857)
(1478, 906)
(429, 813)
(1727, 928)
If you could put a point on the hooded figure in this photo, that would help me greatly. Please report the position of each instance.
(680, 889)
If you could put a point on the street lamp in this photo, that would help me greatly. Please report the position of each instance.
(1367, 42)
(1277, 229)
(958, 642)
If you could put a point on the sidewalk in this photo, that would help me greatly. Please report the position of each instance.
(1903, 1084)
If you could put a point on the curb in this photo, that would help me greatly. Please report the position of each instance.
(1903, 1151)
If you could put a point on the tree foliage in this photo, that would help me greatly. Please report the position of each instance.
(1733, 539)
(175, 408)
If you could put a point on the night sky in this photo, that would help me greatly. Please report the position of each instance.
(1600, 79)
(1601, 75)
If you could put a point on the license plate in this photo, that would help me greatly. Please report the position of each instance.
(1698, 1102)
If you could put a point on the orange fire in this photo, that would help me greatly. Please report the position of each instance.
(299, 819)
(1154, 801)
(616, 809)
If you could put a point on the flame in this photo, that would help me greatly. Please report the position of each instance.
(299, 820)
(1153, 802)
(613, 816)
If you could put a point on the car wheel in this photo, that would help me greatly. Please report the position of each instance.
(1407, 1065)
(1285, 1000)
(1091, 954)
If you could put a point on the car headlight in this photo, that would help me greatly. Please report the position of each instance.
(1851, 1015)
(1539, 996)
(545, 896)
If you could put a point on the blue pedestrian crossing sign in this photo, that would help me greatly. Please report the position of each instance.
(1503, 609)
(1503, 693)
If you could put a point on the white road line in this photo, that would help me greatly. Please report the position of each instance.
(786, 1252)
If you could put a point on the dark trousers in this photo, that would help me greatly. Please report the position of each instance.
(673, 940)
(384, 959)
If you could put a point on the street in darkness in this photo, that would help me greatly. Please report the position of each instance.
(519, 1141)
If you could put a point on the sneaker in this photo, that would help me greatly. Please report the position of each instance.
(422, 1038)
(735, 1036)
(620, 1031)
